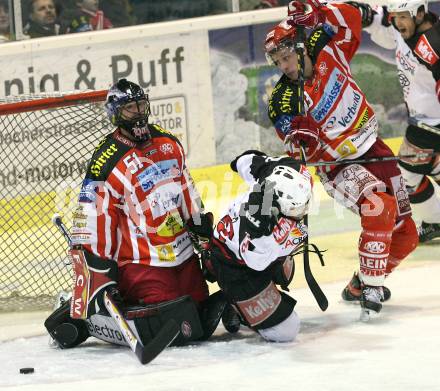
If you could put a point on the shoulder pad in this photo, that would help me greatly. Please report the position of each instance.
(107, 154)
(158, 131)
(317, 40)
(284, 99)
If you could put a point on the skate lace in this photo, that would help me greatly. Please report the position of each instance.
(373, 294)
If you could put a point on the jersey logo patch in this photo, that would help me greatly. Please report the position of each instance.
(331, 94)
(425, 51)
(158, 172)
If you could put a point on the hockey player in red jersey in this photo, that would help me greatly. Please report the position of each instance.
(137, 213)
(414, 33)
(254, 240)
(340, 125)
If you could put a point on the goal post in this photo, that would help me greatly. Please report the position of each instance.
(46, 142)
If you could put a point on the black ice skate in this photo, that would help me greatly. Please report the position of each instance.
(352, 292)
(371, 301)
(230, 319)
(428, 231)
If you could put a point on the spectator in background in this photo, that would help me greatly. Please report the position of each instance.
(148, 11)
(267, 4)
(119, 12)
(42, 20)
(87, 17)
(5, 30)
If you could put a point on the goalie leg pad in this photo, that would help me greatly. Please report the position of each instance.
(67, 332)
(149, 319)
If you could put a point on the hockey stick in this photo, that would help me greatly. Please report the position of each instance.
(319, 295)
(145, 353)
(149, 352)
(316, 290)
(422, 125)
(372, 160)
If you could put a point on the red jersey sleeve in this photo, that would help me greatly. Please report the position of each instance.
(347, 23)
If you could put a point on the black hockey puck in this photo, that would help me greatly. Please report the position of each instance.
(27, 370)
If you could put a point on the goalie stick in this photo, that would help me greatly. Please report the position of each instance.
(145, 353)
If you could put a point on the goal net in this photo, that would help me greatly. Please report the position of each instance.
(45, 144)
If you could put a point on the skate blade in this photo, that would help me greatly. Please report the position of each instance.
(367, 315)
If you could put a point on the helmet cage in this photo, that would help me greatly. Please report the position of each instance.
(121, 94)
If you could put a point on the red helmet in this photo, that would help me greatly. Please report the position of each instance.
(280, 37)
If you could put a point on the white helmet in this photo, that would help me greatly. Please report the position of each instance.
(409, 5)
(292, 190)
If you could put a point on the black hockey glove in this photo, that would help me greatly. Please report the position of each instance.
(200, 231)
(259, 215)
(249, 152)
(367, 13)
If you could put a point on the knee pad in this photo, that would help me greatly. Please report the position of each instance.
(286, 331)
(266, 309)
(378, 212)
(67, 332)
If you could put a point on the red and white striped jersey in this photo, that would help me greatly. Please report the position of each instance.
(346, 122)
(135, 200)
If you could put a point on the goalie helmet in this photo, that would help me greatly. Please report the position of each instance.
(292, 190)
(412, 6)
(282, 36)
(128, 107)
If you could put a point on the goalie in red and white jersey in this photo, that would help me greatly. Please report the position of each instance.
(339, 125)
(137, 218)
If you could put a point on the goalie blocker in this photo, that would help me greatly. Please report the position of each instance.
(85, 314)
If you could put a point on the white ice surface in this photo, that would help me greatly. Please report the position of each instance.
(400, 350)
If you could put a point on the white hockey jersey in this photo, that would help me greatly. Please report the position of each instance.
(233, 234)
(418, 64)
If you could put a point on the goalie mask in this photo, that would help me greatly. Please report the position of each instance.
(128, 107)
(292, 190)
